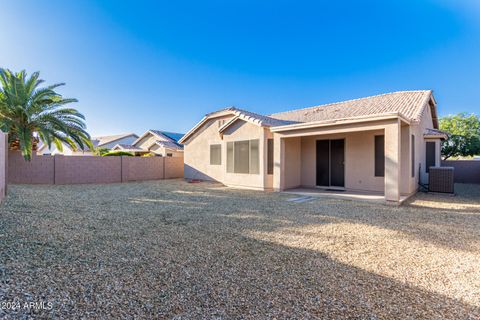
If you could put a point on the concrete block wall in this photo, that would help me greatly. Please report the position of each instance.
(40, 170)
(173, 167)
(61, 169)
(466, 171)
(3, 164)
(143, 168)
(80, 169)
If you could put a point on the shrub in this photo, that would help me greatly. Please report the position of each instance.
(148, 155)
(117, 153)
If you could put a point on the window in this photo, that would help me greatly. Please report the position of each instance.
(379, 156)
(413, 156)
(215, 154)
(430, 156)
(243, 157)
(169, 155)
(270, 156)
(230, 157)
(254, 157)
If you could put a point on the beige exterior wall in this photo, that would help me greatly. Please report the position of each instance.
(197, 153)
(359, 160)
(295, 154)
(162, 151)
(147, 141)
(420, 147)
(293, 162)
(67, 151)
(146, 144)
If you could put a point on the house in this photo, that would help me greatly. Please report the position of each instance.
(106, 142)
(381, 144)
(157, 142)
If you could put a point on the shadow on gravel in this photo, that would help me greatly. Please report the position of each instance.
(94, 253)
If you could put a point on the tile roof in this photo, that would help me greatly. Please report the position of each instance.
(173, 136)
(407, 103)
(102, 140)
(435, 133)
(262, 120)
(128, 147)
(169, 145)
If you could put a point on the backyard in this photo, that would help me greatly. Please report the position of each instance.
(169, 249)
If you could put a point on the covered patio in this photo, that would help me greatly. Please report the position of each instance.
(363, 159)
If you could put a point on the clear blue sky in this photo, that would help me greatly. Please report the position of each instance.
(136, 65)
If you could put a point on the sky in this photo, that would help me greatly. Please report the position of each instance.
(139, 65)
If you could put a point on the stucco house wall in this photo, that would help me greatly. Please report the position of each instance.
(294, 152)
(165, 151)
(359, 160)
(197, 152)
(67, 151)
(147, 141)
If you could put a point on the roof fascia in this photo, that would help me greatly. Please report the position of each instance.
(202, 122)
(327, 123)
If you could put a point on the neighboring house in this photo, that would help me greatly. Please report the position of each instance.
(106, 142)
(44, 150)
(160, 143)
(379, 144)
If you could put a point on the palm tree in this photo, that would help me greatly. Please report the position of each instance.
(28, 113)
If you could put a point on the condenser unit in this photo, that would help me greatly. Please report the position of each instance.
(440, 179)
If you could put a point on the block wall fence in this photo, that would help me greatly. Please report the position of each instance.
(3, 164)
(466, 171)
(61, 169)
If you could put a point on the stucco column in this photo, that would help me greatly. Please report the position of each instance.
(392, 162)
(278, 162)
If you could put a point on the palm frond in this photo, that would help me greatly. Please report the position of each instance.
(26, 109)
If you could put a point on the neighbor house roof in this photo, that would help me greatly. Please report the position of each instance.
(169, 136)
(128, 147)
(103, 140)
(435, 133)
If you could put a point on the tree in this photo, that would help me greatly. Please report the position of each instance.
(464, 135)
(28, 112)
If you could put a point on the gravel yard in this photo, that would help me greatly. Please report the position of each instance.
(169, 249)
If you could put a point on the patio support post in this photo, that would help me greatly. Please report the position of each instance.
(393, 162)
(278, 162)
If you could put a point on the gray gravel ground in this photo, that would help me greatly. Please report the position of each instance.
(169, 249)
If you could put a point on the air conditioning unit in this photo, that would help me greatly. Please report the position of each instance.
(440, 179)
